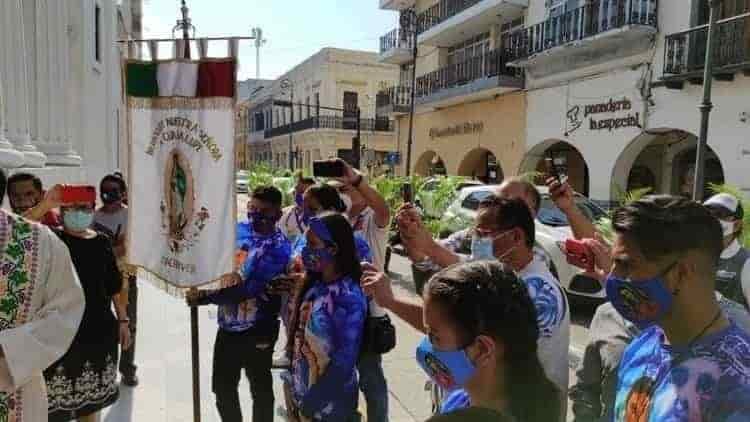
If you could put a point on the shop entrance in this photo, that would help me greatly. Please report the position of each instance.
(481, 164)
(567, 159)
(663, 160)
(430, 164)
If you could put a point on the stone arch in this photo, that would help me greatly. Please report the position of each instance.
(429, 164)
(482, 164)
(568, 161)
(667, 157)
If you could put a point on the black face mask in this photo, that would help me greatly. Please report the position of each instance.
(111, 197)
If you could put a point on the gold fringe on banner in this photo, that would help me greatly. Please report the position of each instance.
(157, 281)
(187, 103)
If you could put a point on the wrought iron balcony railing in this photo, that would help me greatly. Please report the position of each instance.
(685, 51)
(490, 64)
(586, 21)
(397, 38)
(398, 97)
(442, 11)
(332, 122)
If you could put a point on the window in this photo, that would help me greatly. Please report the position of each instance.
(729, 8)
(317, 103)
(307, 103)
(472, 201)
(97, 33)
(473, 47)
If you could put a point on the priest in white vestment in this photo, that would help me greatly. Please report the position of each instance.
(41, 305)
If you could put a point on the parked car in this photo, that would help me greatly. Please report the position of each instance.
(552, 227)
(426, 197)
(241, 181)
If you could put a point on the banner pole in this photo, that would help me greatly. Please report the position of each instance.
(196, 363)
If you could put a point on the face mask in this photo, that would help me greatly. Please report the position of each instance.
(78, 221)
(258, 220)
(111, 197)
(298, 199)
(314, 259)
(483, 247)
(347, 200)
(449, 370)
(727, 227)
(642, 302)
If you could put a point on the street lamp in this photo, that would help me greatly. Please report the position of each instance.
(706, 105)
(285, 85)
(408, 23)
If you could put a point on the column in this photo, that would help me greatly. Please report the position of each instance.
(54, 85)
(9, 156)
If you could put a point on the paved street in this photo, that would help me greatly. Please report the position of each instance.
(163, 357)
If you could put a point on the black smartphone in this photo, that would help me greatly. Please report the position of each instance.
(551, 169)
(326, 168)
(407, 192)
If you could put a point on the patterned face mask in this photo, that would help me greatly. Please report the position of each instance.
(314, 260)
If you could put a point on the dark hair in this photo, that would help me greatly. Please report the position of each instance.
(511, 214)
(347, 260)
(3, 183)
(328, 197)
(268, 194)
(529, 189)
(25, 177)
(664, 225)
(114, 178)
(301, 178)
(488, 298)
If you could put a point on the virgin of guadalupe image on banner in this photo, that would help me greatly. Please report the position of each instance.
(182, 199)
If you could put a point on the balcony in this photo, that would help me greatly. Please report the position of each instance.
(476, 78)
(452, 21)
(685, 52)
(396, 4)
(331, 122)
(395, 100)
(396, 47)
(600, 30)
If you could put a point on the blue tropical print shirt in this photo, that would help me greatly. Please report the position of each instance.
(363, 249)
(326, 348)
(706, 381)
(247, 305)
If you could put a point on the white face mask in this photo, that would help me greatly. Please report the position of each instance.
(347, 201)
(727, 227)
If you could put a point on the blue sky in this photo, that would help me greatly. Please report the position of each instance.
(295, 29)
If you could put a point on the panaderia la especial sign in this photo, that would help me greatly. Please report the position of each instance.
(599, 116)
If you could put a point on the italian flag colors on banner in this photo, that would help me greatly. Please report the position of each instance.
(181, 139)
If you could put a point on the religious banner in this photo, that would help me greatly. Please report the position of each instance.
(181, 201)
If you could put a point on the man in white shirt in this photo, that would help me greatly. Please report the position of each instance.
(292, 222)
(41, 306)
(369, 215)
(733, 273)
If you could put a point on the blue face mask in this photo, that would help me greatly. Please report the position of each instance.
(298, 200)
(482, 248)
(642, 302)
(258, 220)
(77, 220)
(449, 370)
(314, 259)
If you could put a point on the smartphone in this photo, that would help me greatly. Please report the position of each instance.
(578, 254)
(72, 194)
(407, 192)
(326, 168)
(551, 169)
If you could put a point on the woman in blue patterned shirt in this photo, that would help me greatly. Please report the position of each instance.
(327, 326)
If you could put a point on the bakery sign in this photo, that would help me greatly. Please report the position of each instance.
(611, 115)
(458, 129)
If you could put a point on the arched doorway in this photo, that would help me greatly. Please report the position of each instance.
(481, 164)
(567, 159)
(663, 160)
(430, 164)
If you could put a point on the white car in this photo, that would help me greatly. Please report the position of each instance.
(428, 197)
(241, 182)
(551, 227)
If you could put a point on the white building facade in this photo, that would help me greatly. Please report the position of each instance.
(60, 87)
(613, 89)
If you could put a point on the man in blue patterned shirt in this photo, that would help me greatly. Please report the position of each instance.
(249, 314)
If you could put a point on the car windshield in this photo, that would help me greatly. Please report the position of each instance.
(473, 200)
(550, 215)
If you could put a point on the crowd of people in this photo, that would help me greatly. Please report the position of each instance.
(670, 343)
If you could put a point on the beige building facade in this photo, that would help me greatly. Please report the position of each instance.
(469, 105)
(310, 112)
